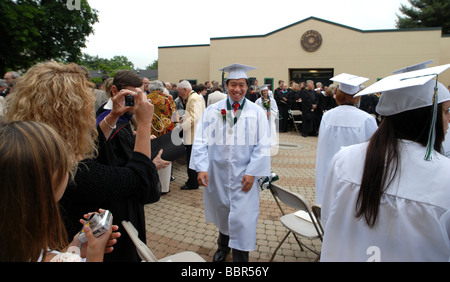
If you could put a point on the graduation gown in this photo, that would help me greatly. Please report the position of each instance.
(309, 125)
(342, 126)
(446, 145)
(283, 107)
(228, 152)
(272, 121)
(414, 216)
(115, 157)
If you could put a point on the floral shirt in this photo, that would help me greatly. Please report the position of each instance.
(165, 109)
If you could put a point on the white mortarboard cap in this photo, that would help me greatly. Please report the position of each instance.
(411, 90)
(265, 87)
(237, 71)
(348, 83)
(415, 67)
(408, 91)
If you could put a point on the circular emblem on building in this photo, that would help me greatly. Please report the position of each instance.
(311, 40)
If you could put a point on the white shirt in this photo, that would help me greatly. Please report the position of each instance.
(414, 217)
(341, 126)
(228, 152)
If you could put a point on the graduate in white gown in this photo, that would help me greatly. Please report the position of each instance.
(269, 105)
(342, 126)
(231, 151)
(389, 199)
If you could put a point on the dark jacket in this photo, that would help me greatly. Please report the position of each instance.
(119, 180)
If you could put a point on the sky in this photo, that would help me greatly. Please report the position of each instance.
(136, 28)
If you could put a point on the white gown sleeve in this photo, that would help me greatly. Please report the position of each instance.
(199, 156)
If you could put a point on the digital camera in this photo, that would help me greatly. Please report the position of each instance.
(99, 224)
(129, 100)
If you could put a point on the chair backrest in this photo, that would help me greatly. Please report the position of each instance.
(144, 252)
(289, 198)
(296, 112)
(295, 201)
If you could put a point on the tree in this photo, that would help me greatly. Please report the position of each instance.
(121, 63)
(425, 13)
(153, 66)
(39, 30)
(107, 66)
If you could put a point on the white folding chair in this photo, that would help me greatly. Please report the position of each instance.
(294, 114)
(302, 222)
(146, 254)
(317, 210)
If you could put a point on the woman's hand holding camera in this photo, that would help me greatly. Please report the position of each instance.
(143, 111)
(119, 108)
(95, 247)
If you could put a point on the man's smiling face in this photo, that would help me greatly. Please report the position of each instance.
(237, 88)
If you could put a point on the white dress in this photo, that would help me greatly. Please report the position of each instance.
(340, 127)
(273, 122)
(71, 255)
(414, 217)
(228, 153)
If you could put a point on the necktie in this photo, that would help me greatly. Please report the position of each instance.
(236, 107)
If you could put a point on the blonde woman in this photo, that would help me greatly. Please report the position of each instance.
(60, 96)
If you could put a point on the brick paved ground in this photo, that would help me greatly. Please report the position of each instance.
(176, 223)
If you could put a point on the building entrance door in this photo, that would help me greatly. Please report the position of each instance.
(316, 75)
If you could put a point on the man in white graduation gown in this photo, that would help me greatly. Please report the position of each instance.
(229, 157)
(342, 126)
(413, 218)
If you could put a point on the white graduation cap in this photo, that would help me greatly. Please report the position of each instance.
(415, 67)
(265, 87)
(408, 91)
(348, 83)
(237, 71)
(411, 90)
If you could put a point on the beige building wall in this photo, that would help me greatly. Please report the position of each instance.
(373, 54)
(184, 62)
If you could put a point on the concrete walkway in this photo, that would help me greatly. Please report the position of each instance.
(176, 223)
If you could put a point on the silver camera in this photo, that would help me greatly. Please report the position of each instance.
(99, 224)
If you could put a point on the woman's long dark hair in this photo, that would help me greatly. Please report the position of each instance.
(382, 157)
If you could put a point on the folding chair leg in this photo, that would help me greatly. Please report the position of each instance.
(303, 245)
(317, 258)
(299, 243)
(279, 245)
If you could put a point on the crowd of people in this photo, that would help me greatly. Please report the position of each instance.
(69, 151)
